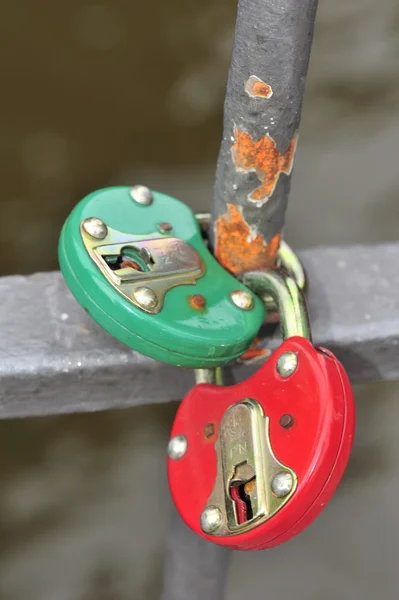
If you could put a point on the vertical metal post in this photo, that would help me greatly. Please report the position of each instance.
(261, 120)
(194, 569)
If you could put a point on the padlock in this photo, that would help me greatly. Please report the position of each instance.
(137, 263)
(252, 464)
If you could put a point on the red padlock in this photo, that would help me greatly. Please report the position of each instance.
(251, 465)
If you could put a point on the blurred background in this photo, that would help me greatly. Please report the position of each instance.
(124, 92)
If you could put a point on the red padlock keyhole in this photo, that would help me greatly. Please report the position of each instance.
(263, 457)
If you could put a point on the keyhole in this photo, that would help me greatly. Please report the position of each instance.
(139, 259)
(242, 484)
(243, 503)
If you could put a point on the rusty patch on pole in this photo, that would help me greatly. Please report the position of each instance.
(256, 88)
(262, 157)
(238, 249)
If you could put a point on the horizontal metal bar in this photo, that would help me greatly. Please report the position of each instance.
(55, 359)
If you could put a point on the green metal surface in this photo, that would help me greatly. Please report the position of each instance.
(179, 334)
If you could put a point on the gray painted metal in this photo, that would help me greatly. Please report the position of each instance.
(272, 42)
(194, 569)
(54, 359)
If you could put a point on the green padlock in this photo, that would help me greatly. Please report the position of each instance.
(136, 261)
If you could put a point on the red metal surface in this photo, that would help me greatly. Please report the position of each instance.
(317, 447)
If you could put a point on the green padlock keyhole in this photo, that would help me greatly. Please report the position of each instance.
(130, 256)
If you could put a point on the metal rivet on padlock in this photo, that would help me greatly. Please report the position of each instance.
(136, 261)
(287, 364)
(242, 299)
(264, 456)
(177, 447)
(141, 194)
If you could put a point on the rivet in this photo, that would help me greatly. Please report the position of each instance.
(95, 228)
(145, 297)
(287, 364)
(286, 421)
(242, 299)
(164, 227)
(141, 194)
(177, 447)
(211, 519)
(282, 484)
(197, 301)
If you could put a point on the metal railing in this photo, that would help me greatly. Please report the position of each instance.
(54, 359)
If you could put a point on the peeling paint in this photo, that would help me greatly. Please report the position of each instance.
(264, 159)
(253, 232)
(255, 353)
(256, 88)
(239, 247)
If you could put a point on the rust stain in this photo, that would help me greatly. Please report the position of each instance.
(262, 157)
(237, 249)
(197, 302)
(256, 88)
(209, 431)
(132, 264)
(250, 486)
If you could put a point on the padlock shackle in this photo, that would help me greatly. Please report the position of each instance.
(214, 376)
(290, 300)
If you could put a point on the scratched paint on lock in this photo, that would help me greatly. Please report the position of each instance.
(255, 352)
(256, 88)
(262, 157)
(238, 249)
